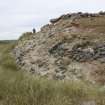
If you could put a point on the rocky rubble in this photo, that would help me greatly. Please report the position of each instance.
(76, 16)
(84, 52)
(63, 51)
(80, 52)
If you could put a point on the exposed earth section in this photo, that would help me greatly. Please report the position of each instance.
(71, 47)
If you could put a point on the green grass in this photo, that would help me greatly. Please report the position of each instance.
(26, 36)
(19, 88)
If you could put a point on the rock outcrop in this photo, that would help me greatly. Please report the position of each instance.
(76, 16)
(72, 47)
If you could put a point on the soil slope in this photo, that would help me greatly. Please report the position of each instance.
(71, 47)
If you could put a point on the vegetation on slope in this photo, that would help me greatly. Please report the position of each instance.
(19, 88)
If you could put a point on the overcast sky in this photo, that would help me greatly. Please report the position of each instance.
(18, 16)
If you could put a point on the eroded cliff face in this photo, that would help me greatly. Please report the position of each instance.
(72, 47)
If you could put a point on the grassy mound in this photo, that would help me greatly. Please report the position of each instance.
(19, 88)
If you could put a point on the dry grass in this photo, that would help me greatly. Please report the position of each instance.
(19, 88)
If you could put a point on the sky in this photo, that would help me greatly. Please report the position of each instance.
(19, 16)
